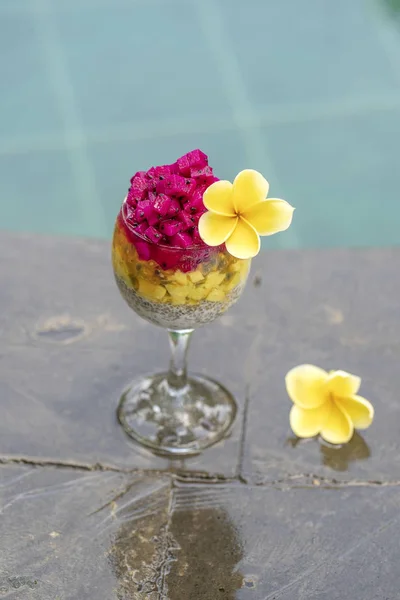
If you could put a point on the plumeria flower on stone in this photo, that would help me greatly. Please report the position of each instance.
(326, 404)
(237, 214)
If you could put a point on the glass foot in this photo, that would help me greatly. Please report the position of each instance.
(176, 422)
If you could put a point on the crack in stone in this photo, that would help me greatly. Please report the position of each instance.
(167, 554)
(32, 462)
(242, 442)
(309, 480)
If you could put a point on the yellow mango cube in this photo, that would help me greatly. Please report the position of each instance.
(216, 296)
(196, 276)
(214, 279)
(177, 291)
(180, 277)
(198, 293)
(176, 300)
(150, 290)
(233, 282)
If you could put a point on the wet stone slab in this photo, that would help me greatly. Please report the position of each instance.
(112, 536)
(339, 310)
(69, 345)
(67, 535)
(246, 543)
(85, 513)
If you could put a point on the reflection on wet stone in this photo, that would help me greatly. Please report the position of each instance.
(210, 548)
(143, 547)
(339, 458)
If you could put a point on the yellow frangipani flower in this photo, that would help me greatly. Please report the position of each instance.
(326, 404)
(237, 214)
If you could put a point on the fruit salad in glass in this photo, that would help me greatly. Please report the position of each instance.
(180, 264)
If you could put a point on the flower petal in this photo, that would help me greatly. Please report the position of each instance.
(360, 410)
(219, 198)
(338, 428)
(215, 229)
(306, 386)
(342, 384)
(270, 216)
(249, 188)
(244, 241)
(308, 422)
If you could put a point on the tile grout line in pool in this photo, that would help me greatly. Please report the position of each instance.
(257, 152)
(144, 130)
(60, 81)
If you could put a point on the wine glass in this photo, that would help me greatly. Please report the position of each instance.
(178, 289)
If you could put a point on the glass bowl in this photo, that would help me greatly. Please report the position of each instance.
(178, 289)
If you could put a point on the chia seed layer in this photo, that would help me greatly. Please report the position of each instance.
(177, 316)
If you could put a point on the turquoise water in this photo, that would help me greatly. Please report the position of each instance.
(306, 92)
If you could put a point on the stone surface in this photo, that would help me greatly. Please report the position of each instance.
(240, 543)
(339, 310)
(67, 535)
(69, 345)
(86, 513)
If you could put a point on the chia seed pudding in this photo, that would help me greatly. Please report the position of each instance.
(177, 316)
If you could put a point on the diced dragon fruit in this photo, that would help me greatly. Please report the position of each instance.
(139, 175)
(175, 185)
(166, 258)
(182, 240)
(186, 219)
(143, 250)
(195, 158)
(171, 227)
(194, 205)
(158, 173)
(154, 218)
(203, 175)
(141, 228)
(143, 210)
(174, 208)
(138, 188)
(153, 234)
(197, 241)
(162, 204)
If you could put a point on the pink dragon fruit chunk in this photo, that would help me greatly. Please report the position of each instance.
(162, 204)
(197, 241)
(141, 228)
(171, 227)
(143, 250)
(153, 234)
(144, 210)
(195, 205)
(156, 173)
(186, 219)
(131, 199)
(139, 175)
(195, 158)
(182, 240)
(203, 175)
(173, 185)
(138, 188)
(153, 218)
(166, 258)
(174, 208)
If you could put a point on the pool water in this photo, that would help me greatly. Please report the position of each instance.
(306, 92)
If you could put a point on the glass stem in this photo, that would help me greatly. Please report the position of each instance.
(177, 375)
